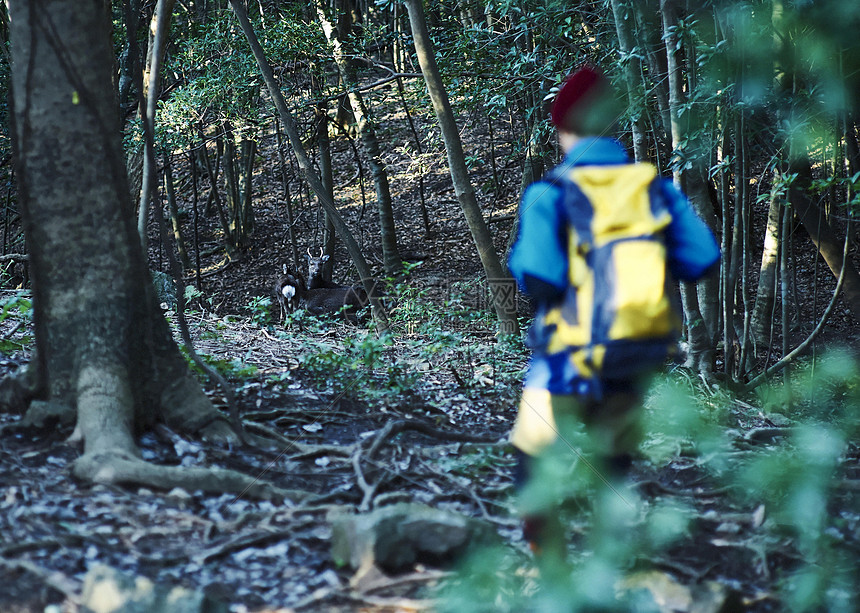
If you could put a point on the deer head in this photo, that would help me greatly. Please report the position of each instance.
(316, 278)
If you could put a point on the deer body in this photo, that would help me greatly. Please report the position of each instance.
(322, 300)
(285, 291)
(293, 292)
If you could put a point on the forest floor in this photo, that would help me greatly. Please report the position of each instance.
(331, 390)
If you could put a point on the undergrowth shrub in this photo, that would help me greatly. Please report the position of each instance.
(801, 484)
(260, 309)
(17, 306)
(232, 368)
(451, 337)
(360, 366)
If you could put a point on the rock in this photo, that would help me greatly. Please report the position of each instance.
(398, 536)
(670, 596)
(106, 590)
(779, 420)
(177, 494)
(44, 414)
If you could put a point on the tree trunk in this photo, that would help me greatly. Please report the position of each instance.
(231, 186)
(536, 152)
(329, 237)
(762, 317)
(248, 152)
(366, 126)
(500, 282)
(158, 30)
(214, 194)
(125, 79)
(622, 13)
(650, 38)
(821, 234)
(173, 208)
(104, 352)
(699, 338)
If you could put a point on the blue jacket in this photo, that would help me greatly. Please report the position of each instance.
(539, 258)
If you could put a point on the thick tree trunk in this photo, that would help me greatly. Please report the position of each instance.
(103, 349)
(821, 234)
(500, 282)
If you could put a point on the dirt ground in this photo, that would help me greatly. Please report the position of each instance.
(265, 557)
(260, 556)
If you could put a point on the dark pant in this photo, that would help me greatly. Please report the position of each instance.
(613, 425)
(612, 421)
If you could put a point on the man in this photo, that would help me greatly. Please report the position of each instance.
(598, 236)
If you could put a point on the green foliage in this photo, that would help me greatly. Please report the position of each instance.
(361, 366)
(622, 530)
(427, 336)
(233, 368)
(260, 308)
(473, 461)
(681, 419)
(798, 483)
(490, 580)
(500, 59)
(18, 306)
(220, 77)
(794, 482)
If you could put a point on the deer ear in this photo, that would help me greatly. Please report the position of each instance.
(324, 259)
(285, 269)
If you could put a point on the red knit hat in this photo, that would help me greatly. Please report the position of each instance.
(574, 102)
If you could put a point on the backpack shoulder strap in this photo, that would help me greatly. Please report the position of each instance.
(576, 205)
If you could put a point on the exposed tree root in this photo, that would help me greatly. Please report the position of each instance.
(395, 427)
(118, 469)
(242, 542)
(17, 389)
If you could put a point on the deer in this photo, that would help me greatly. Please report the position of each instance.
(316, 279)
(285, 291)
(293, 292)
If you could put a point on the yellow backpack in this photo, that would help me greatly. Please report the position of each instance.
(617, 316)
